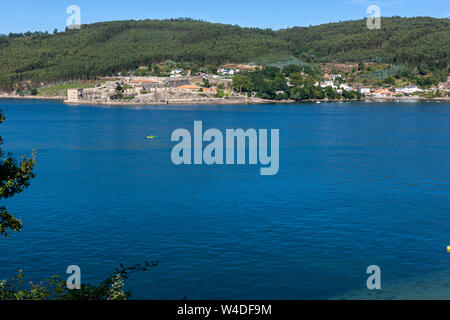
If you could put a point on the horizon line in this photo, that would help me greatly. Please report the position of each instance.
(230, 24)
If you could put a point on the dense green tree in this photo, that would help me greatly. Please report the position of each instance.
(242, 83)
(156, 70)
(15, 176)
(348, 94)
(279, 82)
(389, 81)
(195, 70)
(331, 93)
(55, 288)
(206, 83)
(220, 93)
(361, 67)
(297, 79)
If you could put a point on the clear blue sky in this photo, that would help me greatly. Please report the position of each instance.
(24, 15)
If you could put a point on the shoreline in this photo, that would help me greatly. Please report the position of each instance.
(15, 96)
(225, 101)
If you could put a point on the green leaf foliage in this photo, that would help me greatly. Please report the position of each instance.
(15, 176)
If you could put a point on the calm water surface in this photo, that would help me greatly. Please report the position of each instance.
(359, 184)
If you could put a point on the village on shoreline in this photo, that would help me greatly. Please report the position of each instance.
(230, 84)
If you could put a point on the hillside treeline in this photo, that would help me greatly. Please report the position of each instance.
(110, 47)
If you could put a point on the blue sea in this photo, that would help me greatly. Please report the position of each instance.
(359, 184)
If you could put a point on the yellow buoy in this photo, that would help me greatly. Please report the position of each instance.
(448, 248)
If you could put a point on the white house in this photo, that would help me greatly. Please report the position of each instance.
(327, 83)
(346, 87)
(408, 90)
(176, 72)
(226, 72)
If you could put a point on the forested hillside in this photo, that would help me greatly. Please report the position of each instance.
(110, 47)
(399, 41)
